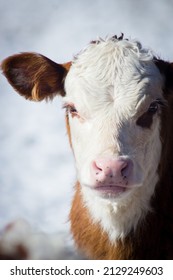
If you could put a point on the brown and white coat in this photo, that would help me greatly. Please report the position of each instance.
(119, 115)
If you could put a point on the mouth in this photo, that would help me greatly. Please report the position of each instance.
(110, 190)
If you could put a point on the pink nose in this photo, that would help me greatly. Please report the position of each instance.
(112, 171)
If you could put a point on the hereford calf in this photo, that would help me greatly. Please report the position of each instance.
(119, 114)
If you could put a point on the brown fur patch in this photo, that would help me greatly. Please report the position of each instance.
(68, 128)
(166, 69)
(145, 120)
(89, 236)
(19, 253)
(67, 65)
(151, 240)
(35, 76)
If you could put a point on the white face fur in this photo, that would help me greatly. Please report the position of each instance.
(110, 89)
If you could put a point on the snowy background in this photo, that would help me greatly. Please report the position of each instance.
(37, 171)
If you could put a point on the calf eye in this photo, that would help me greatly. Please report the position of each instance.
(153, 107)
(146, 119)
(70, 108)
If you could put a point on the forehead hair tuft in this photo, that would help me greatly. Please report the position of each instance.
(101, 62)
(117, 44)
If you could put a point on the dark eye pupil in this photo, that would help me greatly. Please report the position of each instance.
(73, 110)
(153, 108)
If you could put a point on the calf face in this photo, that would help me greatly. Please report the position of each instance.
(113, 100)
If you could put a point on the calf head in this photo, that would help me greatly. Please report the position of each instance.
(115, 100)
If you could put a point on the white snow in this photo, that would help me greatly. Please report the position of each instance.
(37, 170)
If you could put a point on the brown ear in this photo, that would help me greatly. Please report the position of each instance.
(166, 69)
(35, 76)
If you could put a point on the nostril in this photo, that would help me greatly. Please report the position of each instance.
(123, 171)
(126, 169)
(99, 168)
(96, 168)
